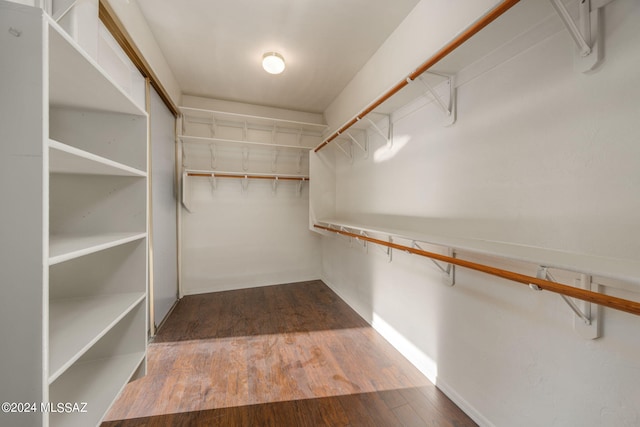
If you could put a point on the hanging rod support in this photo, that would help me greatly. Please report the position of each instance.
(245, 184)
(357, 143)
(214, 158)
(245, 158)
(300, 155)
(387, 137)
(446, 108)
(450, 271)
(274, 160)
(568, 22)
(214, 182)
(543, 273)
(299, 188)
(346, 153)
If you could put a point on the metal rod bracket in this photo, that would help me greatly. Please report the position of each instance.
(274, 159)
(446, 104)
(213, 149)
(348, 153)
(449, 271)
(245, 158)
(586, 315)
(586, 32)
(388, 137)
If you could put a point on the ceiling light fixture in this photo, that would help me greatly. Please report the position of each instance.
(273, 62)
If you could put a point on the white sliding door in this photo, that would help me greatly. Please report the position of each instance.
(164, 194)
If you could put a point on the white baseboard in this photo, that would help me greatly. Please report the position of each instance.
(414, 355)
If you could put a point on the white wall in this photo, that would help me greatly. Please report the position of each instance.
(540, 155)
(233, 239)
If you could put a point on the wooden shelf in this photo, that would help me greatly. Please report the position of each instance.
(204, 140)
(78, 323)
(63, 248)
(98, 382)
(66, 159)
(430, 232)
(76, 80)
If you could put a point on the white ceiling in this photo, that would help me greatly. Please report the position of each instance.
(215, 47)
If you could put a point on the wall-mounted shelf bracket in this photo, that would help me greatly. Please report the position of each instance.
(348, 153)
(274, 185)
(362, 146)
(245, 158)
(449, 271)
(447, 103)
(245, 131)
(299, 187)
(61, 11)
(300, 157)
(388, 136)
(274, 159)
(214, 182)
(365, 244)
(213, 149)
(587, 315)
(244, 182)
(213, 127)
(586, 33)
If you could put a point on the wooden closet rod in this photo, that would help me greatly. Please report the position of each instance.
(226, 175)
(629, 306)
(447, 49)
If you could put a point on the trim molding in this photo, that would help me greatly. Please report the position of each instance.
(119, 32)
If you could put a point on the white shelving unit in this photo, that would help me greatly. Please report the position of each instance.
(66, 159)
(223, 144)
(65, 248)
(74, 238)
(77, 323)
(441, 233)
(245, 128)
(242, 143)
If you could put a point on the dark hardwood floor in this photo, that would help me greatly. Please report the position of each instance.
(286, 355)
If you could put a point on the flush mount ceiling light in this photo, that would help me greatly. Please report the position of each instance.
(273, 62)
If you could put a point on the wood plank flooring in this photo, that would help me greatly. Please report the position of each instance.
(286, 355)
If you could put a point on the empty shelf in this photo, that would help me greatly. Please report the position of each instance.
(198, 113)
(76, 324)
(76, 80)
(63, 248)
(226, 141)
(96, 382)
(67, 159)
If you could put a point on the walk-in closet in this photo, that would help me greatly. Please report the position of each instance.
(294, 213)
